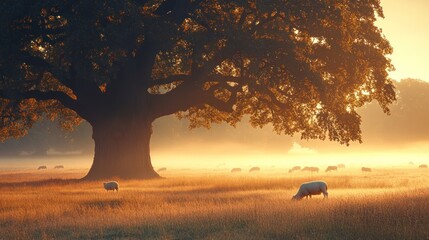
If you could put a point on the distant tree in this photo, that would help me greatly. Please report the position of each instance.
(303, 66)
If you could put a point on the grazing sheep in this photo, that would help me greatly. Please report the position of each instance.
(59, 166)
(255, 169)
(162, 169)
(341, 165)
(423, 166)
(366, 169)
(311, 169)
(311, 188)
(42, 167)
(296, 168)
(236, 170)
(113, 185)
(331, 168)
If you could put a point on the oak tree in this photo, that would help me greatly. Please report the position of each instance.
(302, 66)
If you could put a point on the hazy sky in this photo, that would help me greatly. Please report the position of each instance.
(406, 26)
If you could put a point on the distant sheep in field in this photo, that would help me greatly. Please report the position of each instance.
(305, 169)
(311, 169)
(162, 169)
(236, 170)
(366, 169)
(331, 168)
(296, 168)
(311, 188)
(113, 185)
(423, 166)
(341, 165)
(255, 169)
(59, 167)
(42, 167)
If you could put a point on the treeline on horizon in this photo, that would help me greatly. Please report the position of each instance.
(407, 123)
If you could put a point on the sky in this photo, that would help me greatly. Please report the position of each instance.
(406, 26)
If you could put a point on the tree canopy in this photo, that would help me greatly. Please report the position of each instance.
(303, 66)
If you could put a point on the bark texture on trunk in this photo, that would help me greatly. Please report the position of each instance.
(122, 150)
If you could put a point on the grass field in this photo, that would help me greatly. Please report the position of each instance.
(187, 204)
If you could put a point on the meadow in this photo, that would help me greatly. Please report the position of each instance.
(205, 204)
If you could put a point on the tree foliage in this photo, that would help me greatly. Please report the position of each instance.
(303, 66)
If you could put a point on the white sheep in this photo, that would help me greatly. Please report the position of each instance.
(113, 185)
(311, 188)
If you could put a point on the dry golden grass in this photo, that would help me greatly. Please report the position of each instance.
(387, 204)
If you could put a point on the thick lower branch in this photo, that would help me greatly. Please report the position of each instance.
(185, 96)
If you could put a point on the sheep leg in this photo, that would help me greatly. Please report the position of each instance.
(325, 195)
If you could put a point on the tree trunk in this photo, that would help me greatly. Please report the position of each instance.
(122, 150)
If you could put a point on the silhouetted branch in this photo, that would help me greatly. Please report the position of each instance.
(62, 97)
(170, 79)
(183, 78)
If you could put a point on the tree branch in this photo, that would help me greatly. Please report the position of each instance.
(224, 106)
(272, 97)
(170, 79)
(210, 65)
(46, 66)
(84, 89)
(183, 78)
(190, 94)
(225, 79)
(63, 98)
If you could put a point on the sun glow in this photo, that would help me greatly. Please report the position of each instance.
(405, 26)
